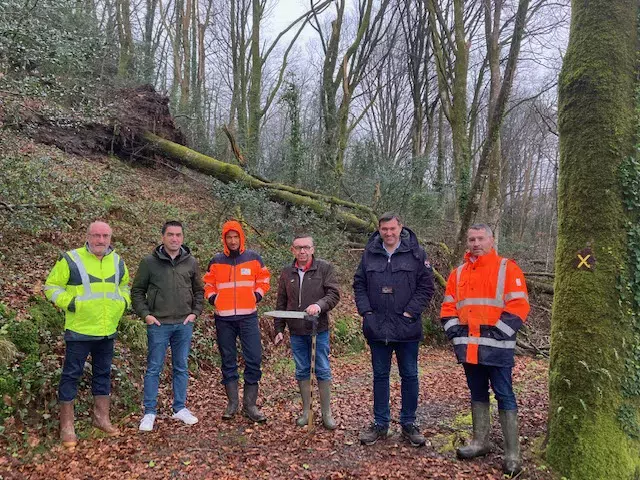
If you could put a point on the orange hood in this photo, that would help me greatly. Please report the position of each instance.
(235, 226)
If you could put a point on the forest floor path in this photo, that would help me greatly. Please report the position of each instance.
(278, 449)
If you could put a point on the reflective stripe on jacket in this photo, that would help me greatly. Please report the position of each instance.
(93, 292)
(485, 304)
(234, 279)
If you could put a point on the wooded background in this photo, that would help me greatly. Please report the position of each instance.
(442, 110)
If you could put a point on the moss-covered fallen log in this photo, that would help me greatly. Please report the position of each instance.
(322, 205)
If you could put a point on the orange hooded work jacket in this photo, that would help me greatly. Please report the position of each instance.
(235, 280)
(485, 304)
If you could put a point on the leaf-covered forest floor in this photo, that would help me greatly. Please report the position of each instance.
(278, 449)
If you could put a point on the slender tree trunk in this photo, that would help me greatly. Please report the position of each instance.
(185, 81)
(460, 138)
(252, 148)
(591, 333)
(440, 159)
(148, 44)
(177, 53)
(328, 102)
(495, 124)
(493, 194)
(417, 45)
(454, 93)
(125, 62)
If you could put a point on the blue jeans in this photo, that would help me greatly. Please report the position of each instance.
(407, 357)
(159, 337)
(249, 332)
(301, 348)
(74, 358)
(478, 378)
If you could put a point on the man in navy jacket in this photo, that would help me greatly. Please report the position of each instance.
(392, 286)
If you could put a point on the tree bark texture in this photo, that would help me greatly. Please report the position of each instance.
(589, 330)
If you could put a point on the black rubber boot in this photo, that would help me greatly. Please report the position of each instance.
(249, 404)
(479, 445)
(512, 462)
(231, 390)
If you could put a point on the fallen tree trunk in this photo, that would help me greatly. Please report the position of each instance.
(322, 205)
(539, 286)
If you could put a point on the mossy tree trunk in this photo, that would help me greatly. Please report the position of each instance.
(453, 90)
(589, 329)
(125, 61)
(323, 205)
(493, 198)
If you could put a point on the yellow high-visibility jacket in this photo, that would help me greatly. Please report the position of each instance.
(93, 293)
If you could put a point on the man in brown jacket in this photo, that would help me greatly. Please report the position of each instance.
(309, 284)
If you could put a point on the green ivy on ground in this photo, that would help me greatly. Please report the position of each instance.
(628, 414)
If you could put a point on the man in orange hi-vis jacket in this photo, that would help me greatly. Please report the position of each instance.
(485, 304)
(236, 280)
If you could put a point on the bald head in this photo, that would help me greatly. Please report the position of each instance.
(99, 238)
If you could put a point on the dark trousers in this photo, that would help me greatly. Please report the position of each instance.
(407, 357)
(249, 332)
(480, 376)
(74, 359)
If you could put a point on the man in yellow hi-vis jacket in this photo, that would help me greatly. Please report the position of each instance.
(91, 284)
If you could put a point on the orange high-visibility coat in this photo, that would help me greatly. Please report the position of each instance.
(485, 304)
(235, 280)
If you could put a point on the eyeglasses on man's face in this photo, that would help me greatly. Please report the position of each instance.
(303, 248)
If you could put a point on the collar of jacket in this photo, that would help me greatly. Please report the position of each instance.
(160, 253)
(482, 260)
(313, 265)
(408, 243)
(107, 251)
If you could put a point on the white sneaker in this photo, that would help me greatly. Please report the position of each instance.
(185, 416)
(146, 424)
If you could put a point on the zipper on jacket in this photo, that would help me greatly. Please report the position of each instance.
(300, 288)
(104, 303)
(386, 301)
(235, 306)
(175, 285)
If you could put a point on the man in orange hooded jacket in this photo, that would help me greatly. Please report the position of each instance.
(485, 304)
(236, 280)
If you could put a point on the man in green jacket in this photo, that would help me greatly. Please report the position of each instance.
(168, 295)
(91, 285)
(308, 284)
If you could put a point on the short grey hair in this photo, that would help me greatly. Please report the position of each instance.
(482, 226)
(302, 235)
